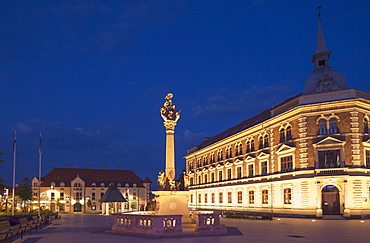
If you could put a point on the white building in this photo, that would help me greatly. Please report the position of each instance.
(70, 190)
(308, 156)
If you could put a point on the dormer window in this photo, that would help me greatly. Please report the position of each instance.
(333, 126)
(93, 184)
(102, 184)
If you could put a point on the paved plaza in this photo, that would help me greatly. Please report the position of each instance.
(90, 228)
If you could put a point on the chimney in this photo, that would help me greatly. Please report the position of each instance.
(105, 167)
(89, 166)
(69, 165)
(120, 167)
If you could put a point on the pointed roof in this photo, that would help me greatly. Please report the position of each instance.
(147, 180)
(320, 41)
(113, 195)
(323, 78)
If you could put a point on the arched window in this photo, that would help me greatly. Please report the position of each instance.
(102, 184)
(288, 133)
(287, 196)
(111, 183)
(220, 197)
(134, 185)
(119, 184)
(205, 198)
(62, 184)
(252, 146)
(266, 141)
(199, 198)
(248, 147)
(333, 126)
(322, 127)
(52, 184)
(229, 197)
(127, 185)
(77, 185)
(282, 136)
(260, 140)
(212, 198)
(366, 126)
(93, 184)
(240, 197)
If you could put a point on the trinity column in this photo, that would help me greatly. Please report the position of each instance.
(166, 179)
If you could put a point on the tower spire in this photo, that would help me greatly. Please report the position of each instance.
(322, 54)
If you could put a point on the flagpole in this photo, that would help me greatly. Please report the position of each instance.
(39, 189)
(14, 160)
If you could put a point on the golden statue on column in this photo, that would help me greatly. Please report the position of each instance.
(166, 179)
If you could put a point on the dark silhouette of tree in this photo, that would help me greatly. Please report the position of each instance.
(1, 160)
(181, 180)
(25, 191)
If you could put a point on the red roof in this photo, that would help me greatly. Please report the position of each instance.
(90, 176)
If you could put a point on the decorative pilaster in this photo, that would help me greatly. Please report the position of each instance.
(355, 139)
(303, 148)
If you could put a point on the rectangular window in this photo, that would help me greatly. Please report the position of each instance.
(205, 198)
(265, 197)
(134, 196)
(286, 163)
(251, 197)
(240, 197)
(368, 159)
(93, 196)
(220, 176)
(287, 196)
(205, 178)
(239, 172)
(264, 168)
(191, 198)
(229, 197)
(329, 159)
(62, 196)
(250, 170)
(229, 174)
(212, 198)
(102, 194)
(212, 177)
(199, 198)
(78, 195)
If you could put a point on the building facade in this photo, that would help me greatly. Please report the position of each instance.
(79, 190)
(309, 155)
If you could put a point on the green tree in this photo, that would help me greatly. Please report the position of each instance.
(181, 181)
(25, 191)
(2, 185)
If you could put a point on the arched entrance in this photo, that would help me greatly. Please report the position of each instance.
(77, 207)
(330, 200)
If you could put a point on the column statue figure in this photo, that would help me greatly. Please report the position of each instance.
(166, 179)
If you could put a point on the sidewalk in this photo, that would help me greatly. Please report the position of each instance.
(81, 228)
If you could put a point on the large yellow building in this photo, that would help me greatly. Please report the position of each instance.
(79, 190)
(308, 156)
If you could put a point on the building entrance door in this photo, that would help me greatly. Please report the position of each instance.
(330, 200)
(77, 207)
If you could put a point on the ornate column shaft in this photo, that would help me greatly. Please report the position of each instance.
(170, 149)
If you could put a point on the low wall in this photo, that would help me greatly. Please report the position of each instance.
(156, 225)
(164, 225)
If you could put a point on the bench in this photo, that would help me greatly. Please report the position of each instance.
(25, 224)
(6, 230)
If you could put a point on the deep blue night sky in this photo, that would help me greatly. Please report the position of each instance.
(92, 75)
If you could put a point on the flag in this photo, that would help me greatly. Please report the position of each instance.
(40, 146)
(14, 141)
